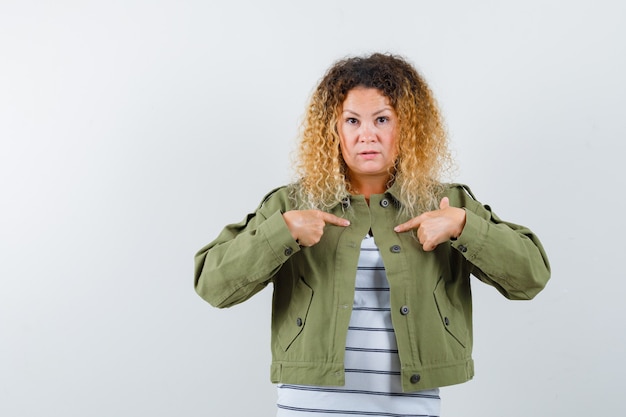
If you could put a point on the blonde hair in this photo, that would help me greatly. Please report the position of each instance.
(422, 142)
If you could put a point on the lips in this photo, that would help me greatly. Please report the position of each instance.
(369, 154)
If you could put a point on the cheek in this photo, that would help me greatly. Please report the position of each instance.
(344, 147)
(392, 144)
(394, 150)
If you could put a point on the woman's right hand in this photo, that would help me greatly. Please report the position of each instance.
(307, 226)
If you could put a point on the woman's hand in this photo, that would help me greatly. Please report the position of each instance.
(307, 226)
(437, 226)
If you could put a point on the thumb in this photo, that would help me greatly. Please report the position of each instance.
(332, 219)
(445, 203)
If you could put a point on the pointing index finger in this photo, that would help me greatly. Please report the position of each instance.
(414, 223)
(332, 219)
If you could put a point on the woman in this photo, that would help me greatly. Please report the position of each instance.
(369, 253)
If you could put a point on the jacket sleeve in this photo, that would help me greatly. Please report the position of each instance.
(505, 255)
(245, 256)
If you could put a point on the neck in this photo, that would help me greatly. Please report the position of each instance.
(369, 186)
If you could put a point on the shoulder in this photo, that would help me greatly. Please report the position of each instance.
(460, 195)
(278, 192)
(280, 198)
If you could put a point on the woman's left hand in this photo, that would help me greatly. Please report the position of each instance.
(437, 226)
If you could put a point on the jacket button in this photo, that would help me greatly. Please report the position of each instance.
(299, 322)
(415, 378)
(395, 249)
(288, 251)
(463, 248)
(404, 310)
(446, 321)
(384, 203)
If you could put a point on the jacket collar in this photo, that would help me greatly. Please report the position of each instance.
(393, 192)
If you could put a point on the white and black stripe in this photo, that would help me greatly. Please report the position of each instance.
(372, 365)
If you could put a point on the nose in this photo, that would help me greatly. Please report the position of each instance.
(367, 133)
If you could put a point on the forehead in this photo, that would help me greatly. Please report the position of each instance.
(366, 97)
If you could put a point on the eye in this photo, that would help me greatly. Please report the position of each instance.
(351, 121)
(382, 119)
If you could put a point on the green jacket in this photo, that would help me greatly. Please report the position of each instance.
(431, 302)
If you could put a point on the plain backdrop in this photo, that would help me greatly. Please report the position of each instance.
(132, 131)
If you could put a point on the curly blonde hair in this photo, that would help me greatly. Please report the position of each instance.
(422, 141)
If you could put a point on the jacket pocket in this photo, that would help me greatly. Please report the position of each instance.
(451, 317)
(291, 319)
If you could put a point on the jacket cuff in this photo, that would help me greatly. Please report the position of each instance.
(278, 238)
(472, 239)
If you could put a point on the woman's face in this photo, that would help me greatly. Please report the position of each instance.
(368, 128)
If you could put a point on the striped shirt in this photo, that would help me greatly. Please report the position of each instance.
(372, 365)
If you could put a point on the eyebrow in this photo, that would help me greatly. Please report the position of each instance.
(373, 114)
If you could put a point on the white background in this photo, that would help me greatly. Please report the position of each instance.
(132, 131)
